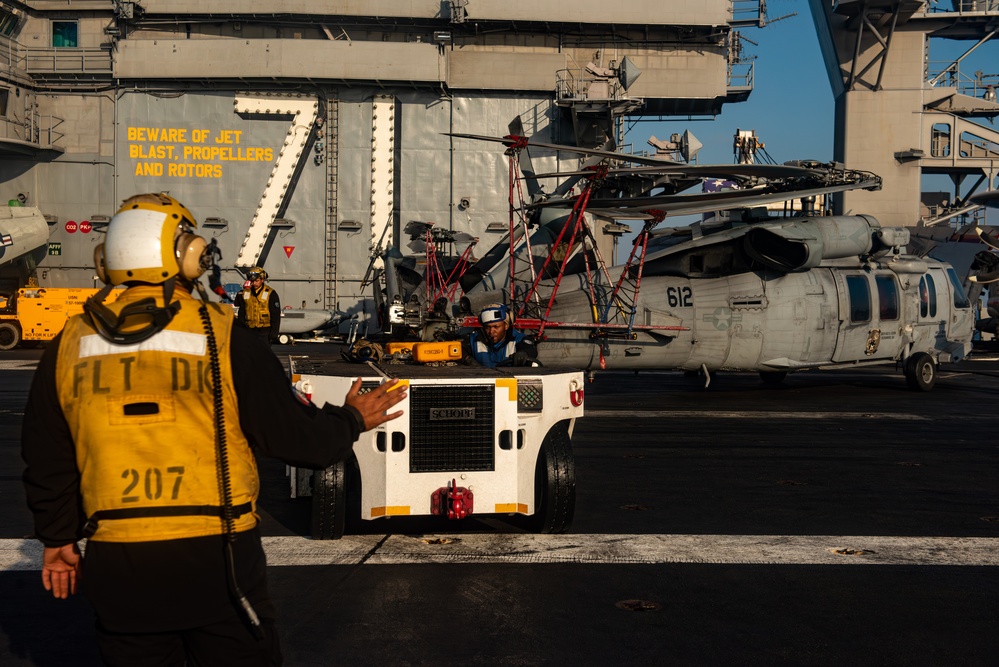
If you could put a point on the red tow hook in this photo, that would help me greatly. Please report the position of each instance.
(452, 500)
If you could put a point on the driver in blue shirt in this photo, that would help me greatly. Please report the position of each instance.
(497, 343)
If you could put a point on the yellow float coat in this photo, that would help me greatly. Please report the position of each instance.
(142, 421)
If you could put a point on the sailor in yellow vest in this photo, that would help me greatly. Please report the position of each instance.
(259, 307)
(139, 434)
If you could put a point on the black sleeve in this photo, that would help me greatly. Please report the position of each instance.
(275, 421)
(527, 349)
(240, 309)
(51, 478)
(274, 307)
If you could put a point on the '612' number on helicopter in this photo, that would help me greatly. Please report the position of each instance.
(679, 297)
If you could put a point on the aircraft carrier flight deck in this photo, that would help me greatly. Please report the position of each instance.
(839, 518)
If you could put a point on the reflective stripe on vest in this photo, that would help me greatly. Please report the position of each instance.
(492, 355)
(142, 421)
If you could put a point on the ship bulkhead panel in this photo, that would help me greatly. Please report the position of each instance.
(218, 161)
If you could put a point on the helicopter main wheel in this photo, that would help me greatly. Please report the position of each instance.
(773, 377)
(10, 335)
(284, 339)
(920, 372)
(329, 501)
(555, 482)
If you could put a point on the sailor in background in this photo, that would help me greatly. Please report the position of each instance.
(498, 343)
(259, 307)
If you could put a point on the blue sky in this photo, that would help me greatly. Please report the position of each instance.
(790, 108)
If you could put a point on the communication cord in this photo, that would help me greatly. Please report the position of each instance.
(222, 469)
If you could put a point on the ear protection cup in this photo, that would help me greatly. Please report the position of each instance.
(99, 267)
(190, 251)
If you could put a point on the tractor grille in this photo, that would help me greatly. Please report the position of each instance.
(451, 428)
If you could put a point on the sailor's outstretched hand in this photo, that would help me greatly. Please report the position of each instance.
(374, 404)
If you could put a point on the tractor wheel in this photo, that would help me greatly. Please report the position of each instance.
(555, 482)
(10, 335)
(329, 502)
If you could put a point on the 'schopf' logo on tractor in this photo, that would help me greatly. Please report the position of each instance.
(451, 414)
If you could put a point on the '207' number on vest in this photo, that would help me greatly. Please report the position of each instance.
(152, 483)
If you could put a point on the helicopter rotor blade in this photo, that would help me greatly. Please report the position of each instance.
(463, 237)
(607, 154)
(987, 198)
(988, 238)
(699, 203)
(418, 246)
(700, 171)
(985, 267)
(417, 228)
(516, 128)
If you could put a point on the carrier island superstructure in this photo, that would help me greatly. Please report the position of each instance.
(305, 135)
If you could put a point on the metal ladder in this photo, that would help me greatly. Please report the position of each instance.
(331, 135)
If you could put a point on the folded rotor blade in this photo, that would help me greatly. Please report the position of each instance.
(417, 227)
(700, 171)
(987, 198)
(612, 155)
(984, 268)
(988, 238)
(699, 203)
(463, 237)
(516, 128)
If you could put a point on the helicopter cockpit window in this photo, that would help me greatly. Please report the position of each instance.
(927, 297)
(960, 297)
(887, 297)
(860, 298)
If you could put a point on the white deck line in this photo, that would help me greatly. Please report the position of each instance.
(750, 414)
(779, 550)
(18, 365)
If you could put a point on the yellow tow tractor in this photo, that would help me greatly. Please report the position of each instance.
(36, 314)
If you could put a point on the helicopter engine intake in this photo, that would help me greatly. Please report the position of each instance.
(802, 244)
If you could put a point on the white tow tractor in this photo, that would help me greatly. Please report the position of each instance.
(471, 442)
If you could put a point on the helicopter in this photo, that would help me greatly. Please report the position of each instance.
(750, 290)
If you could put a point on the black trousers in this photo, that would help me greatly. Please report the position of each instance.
(169, 602)
(229, 642)
(263, 333)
